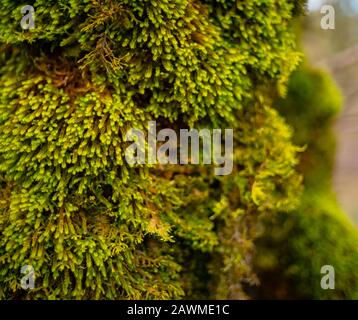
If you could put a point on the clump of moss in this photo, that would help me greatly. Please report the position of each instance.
(93, 226)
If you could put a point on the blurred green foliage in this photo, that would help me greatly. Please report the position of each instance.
(294, 247)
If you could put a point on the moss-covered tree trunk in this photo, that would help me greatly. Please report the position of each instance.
(93, 226)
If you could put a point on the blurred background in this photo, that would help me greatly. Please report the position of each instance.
(337, 52)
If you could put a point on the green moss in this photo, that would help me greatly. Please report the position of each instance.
(70, 206)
